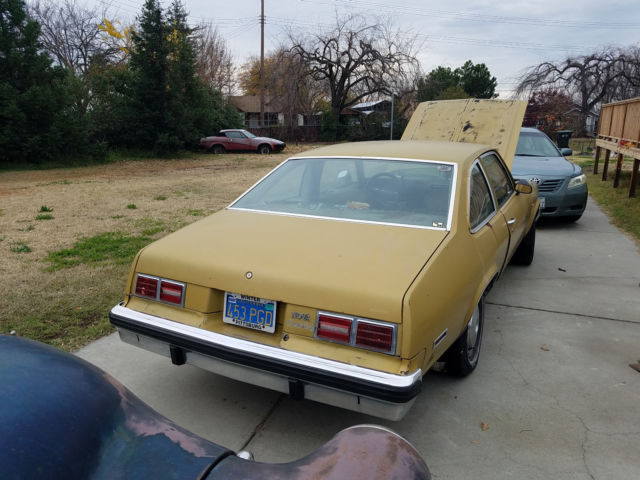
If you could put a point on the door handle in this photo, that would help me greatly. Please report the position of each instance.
(511, 222)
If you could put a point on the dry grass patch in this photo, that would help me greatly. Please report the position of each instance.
(62, 275)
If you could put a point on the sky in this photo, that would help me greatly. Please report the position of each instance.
(507, 36)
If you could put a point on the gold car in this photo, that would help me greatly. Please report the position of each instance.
(342, 276)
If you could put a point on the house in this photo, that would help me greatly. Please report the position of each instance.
(368, 108)
(353, 115)
(249, 108)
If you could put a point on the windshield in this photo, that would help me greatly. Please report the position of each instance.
(531, 144)
(248, 134)
(401, 192)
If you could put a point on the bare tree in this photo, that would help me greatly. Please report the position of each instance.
(286, 81)
(604, 76)
(70, 33)
(357, 60)
(214, 60)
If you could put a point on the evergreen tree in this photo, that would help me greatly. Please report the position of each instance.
(170, 108)
(476, 80)
(436, 82)
(37, 121)
(149, 66)
(470, 80)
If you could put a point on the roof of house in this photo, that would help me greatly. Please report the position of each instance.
(369, 105)
(251, 104)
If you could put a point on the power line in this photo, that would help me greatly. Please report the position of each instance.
(476, 17)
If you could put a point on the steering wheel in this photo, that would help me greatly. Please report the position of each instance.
(384, 189)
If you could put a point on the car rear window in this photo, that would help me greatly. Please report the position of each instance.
(389, 191)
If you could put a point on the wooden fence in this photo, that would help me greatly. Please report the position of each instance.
(619, 131)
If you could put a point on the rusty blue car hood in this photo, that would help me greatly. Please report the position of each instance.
(64, 418)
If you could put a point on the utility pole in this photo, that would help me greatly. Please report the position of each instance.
(392, 102)
(262, 65)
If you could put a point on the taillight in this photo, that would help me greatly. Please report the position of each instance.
(147, 286)
(375, 336)
(171, 292)
(334, 328)
(160, 289)
(358, 332)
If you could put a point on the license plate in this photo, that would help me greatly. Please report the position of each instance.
(250, 312)
(542, 202)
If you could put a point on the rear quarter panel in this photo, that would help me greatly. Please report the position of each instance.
(447, 289)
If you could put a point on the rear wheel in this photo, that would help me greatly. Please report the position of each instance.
(462, 357)
(524, 254)
(264, 149)
(218, 149)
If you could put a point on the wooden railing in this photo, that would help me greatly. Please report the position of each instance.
(619, 131)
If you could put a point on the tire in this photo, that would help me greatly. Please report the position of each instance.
(524, 253)
(462, 357)
(218, 149)
(264, 149)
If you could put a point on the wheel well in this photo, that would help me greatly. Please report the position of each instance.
(490, 285)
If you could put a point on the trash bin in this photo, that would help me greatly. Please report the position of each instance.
(563, 137)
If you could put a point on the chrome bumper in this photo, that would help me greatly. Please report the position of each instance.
(297, 374)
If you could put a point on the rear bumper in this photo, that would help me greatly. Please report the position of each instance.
(302, 376)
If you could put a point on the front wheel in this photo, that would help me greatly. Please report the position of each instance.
(524, 253)
(264, 149)
(462, 357)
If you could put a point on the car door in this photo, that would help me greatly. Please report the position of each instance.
(489, 229)
(504, 193)
(235, 141)
(243, 142)
(229, 141)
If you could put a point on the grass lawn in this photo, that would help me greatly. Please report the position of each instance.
(67, 236)
(623, 211)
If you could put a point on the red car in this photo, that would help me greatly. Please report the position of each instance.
(237, 139)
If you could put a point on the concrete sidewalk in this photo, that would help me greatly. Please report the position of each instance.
(552, 398)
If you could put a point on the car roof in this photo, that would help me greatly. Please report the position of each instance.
(455, 152)
(531, 130)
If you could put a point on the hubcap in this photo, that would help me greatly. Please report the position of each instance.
(473, 335)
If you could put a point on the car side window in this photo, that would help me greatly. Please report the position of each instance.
(499, 179)
(480, 201)
(234, 135)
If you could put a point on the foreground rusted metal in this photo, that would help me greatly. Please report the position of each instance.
(61, 417)
(357, 453)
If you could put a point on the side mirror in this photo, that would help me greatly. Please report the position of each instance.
(567, 152)
(522, 186)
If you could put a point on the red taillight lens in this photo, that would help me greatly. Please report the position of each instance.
(171, 292)
(336, 329)
(147, 286)
(375, 336)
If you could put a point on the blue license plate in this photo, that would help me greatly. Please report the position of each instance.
(250, 312)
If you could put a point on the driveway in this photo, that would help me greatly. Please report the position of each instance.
(552, 398)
